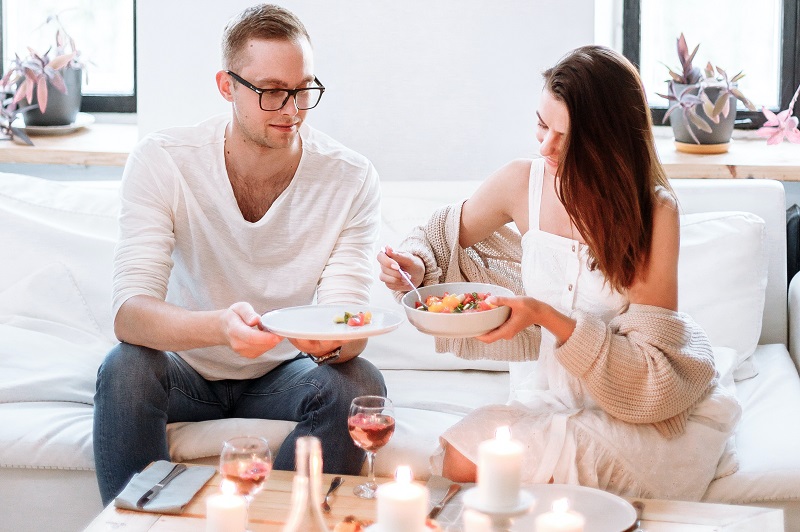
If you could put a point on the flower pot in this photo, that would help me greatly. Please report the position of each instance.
(62, 109)
(715, 142)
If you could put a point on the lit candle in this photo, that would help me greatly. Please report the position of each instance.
(561, 519)
(402, 505)
(499, 470)
(226, 511)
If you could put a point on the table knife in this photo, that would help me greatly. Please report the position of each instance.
(153, 492)
(452, 490)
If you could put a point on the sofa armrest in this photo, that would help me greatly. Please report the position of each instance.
(794, 320)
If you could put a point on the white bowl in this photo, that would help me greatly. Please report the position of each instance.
(447, 325)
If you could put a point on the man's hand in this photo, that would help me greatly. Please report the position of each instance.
(244, 334)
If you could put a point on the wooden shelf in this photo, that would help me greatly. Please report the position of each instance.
(746, 159)
(95, 145)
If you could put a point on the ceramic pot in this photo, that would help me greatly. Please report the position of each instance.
(62, 109)
(720, 133)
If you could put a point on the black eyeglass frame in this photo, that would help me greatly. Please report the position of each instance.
(290, 93)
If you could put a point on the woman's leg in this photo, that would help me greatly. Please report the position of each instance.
(458, 467)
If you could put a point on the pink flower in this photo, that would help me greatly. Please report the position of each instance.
(781, 125)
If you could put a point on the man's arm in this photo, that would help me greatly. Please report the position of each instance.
(148, 321)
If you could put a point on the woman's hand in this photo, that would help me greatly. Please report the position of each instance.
(527, 311)
(242, 329)
(391, 261)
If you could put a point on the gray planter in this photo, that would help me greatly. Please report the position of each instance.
(721, 132)
(62, 109)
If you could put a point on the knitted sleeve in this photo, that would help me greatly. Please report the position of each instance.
(495, 260)
(649, 365)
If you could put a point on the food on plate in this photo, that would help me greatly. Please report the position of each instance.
(356, 319)
(456, 303)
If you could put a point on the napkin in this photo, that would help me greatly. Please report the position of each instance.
(175, 495)
(450, 517)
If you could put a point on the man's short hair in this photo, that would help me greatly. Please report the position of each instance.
(263, 21)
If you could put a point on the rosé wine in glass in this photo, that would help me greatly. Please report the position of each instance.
(247, 462)
(371, 425)
(371, 432)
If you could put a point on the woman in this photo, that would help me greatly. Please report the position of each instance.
(624, 395)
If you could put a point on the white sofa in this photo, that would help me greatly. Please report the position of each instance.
(55, 328)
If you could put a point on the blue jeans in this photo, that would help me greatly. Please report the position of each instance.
(140, 390)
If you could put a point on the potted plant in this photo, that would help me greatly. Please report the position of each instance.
(48, 84)
(702, 104)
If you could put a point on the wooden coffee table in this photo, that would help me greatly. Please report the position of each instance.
(270, 508)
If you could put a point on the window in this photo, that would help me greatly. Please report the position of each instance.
(759, 37)
(104, 33)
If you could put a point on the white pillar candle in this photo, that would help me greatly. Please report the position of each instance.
(402, 505)
(499, 470)
(226, 511)
(561, 519)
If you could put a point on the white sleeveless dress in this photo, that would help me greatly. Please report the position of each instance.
(568, 437)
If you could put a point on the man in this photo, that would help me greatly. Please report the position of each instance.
(220, 223)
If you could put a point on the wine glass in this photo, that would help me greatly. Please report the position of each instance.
(247, 462)
(371, 425)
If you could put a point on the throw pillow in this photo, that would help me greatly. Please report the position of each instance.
(722, 279)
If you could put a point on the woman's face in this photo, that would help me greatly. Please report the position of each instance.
(552, 129)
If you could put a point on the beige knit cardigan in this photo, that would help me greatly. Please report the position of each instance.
(648, 365)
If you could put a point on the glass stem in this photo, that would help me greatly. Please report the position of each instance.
(371, 468)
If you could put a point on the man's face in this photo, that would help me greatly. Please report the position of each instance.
(272, 64)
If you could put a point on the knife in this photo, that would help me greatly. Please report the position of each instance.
(152, 492)
(452, 490)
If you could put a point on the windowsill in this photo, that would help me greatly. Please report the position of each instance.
(107, 142)
(748, 157)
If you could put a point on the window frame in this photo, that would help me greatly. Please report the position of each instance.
(790, 57)
(96, 103)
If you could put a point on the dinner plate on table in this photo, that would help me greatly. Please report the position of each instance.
(318, 322)
(604, 512)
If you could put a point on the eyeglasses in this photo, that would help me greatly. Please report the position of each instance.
(275, 99)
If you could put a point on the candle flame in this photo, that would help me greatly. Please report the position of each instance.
(403, 474)
(227, 487)
(503, 434)
(561, 505)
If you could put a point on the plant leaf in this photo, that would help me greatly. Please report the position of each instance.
(41, 95)
(709, 70)
(737, 77)
(708, 108)
(698, 122)
(747, 103)
(61, 61)
(15, 131)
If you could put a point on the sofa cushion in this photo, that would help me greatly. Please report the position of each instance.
(50, 227)
(722, 279)
(52, 345)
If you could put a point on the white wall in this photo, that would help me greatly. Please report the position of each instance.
(427, 89)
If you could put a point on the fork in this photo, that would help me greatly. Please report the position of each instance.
(335, 483)
(407, 278)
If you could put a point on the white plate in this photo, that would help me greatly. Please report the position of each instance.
(81, 121)
(604, 512)
(316, 322)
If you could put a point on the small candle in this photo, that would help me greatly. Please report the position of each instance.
(226, 511)
(476, 521)
(402, 505)
(561, 519)
(500, 470)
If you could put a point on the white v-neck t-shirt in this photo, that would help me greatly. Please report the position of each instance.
(184, 240)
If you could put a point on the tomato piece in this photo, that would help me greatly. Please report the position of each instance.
(483, 305)
(468, 299)
(355, 321)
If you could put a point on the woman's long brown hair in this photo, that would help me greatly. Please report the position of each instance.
(609, 169)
